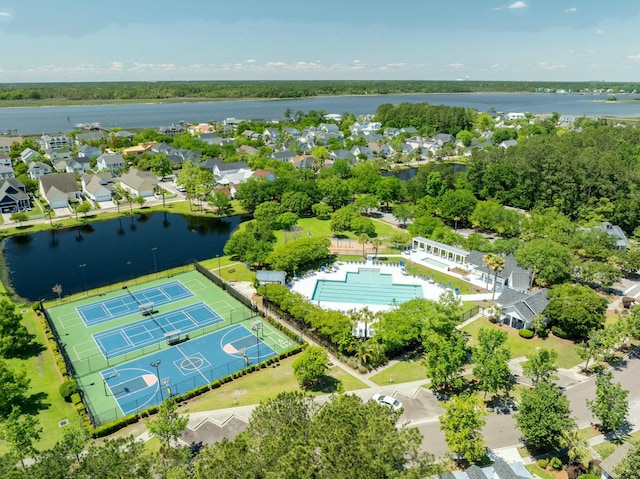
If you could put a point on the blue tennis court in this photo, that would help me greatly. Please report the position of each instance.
(129, 303)
(145, 382)
(153, 329)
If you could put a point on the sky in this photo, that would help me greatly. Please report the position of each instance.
(158, 40)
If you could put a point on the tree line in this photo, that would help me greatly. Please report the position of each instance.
(105, 91)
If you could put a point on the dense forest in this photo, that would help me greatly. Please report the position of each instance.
(122, 91)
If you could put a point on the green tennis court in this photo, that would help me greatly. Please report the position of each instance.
(194, 310)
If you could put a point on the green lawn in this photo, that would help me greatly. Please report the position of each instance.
(43, 397)
(567, 356)
(536, 471)
(266, 384)
(400, 372)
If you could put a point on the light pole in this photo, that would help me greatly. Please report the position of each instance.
(155, 265)
(84, 276)
(155, 364)
(257, 326)
(114, 374)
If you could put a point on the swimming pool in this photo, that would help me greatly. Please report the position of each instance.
(368, 286)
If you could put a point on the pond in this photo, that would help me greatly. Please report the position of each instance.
(107, 252)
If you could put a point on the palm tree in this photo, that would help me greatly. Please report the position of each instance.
(376, 243)
(363, 239)
(496, 264)
(577, 446)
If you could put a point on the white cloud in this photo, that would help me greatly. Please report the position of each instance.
(550, 66)
(457, 66)
(599, 32)
(634, 57)
(571, 10)
(117, 66)
(250, 60)
(5, 14)
(518, 4)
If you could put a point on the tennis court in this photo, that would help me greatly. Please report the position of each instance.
(199, 334)
(154, 329)
(145, 382)
(130, 302)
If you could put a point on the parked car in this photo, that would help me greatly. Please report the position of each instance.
(387, 401)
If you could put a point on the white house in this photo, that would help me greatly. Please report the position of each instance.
(139, 183)
(520, 309)
(110, 162)
(59, 188)
(37, 169)
(98, 186)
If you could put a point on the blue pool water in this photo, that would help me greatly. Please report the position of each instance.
(367, 286)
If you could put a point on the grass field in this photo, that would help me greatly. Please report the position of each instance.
(520, 347)
(400, 372)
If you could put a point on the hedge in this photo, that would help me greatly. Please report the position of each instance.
(526, 333)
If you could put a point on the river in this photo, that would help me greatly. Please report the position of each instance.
(108, 252)
(36, 121)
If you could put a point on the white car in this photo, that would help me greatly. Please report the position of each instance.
(387, 401)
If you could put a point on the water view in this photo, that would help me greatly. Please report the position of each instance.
(111, 251)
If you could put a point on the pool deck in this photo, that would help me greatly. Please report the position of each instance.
(305, 285)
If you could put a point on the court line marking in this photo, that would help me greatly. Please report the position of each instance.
(206, 380)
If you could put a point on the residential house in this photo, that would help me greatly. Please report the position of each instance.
(124, 135)
(214, 139)
(608, 465)
(515, 116)
(234, 177)
(303, 161)
(77, 165)
(13, 196)
(139, 183)
(27, 155)
(409, 130)
(381, 150)
(333, 117)
(343, 154)
(252, 135)
(390, 132)
(7, 141)
(6, 172)
(210, 164)
(518, 309)
(500, 469)
(247, 150)
(271, 135)
(93, 135)
(57, 154)
(5, 160)
(329, 128)
(442, 139)
(511, 275)
(56, 141)
(110, 162)
(508, 144)
(37, 169)
(199, 129)
(59, 188)
(284, 156)
(171, 131)
(361, 151)
(266, 174)
(88, 151)
(139, 149)
(98, 186)
(617, 235)
(222, 169)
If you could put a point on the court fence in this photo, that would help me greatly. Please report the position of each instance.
(224, 285)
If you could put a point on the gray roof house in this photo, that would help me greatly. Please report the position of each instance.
(88, 151)
(13, 196)
(520, 309)
(94, 135)
(28, 155)
(98, 186)
(609, 465)
(512, 275)
(6, 172)
(59, 188)
(284, 156)
(264, 276)
(139, 183)
(37, 169)
(110, 162)
(343, 154)
(498, 470)
(616, 232)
